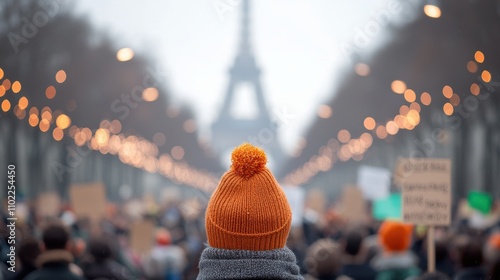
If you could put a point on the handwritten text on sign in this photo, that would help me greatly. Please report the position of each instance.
(426, 191)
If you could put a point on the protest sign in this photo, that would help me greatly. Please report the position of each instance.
(374, 182)
(387, 208)
(88, 200)
(142, 236)
(295, 196)
(480, 201)
(48, 204)
(352, 204)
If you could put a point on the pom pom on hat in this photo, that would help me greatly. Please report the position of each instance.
(248, 160)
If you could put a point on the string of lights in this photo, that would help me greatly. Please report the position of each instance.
(343, 147)
(107, 139)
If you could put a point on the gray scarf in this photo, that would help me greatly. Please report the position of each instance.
(241, 264)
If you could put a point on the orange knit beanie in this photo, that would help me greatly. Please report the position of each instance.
(248, 210)
(395, 236)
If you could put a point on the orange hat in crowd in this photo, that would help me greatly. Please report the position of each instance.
(163, 237)
(248, 210)
(494, 241)
(395, 236)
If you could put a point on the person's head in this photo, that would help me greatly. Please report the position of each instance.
(248, 210)
(99, 249)
(353, 243)
(28, 251)
(56, 237)
(471, 255)
(323, 259)
(395, 236)
(434, 276)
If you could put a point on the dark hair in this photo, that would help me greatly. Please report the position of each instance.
(434, 276)
(55, 236)
(28, 251)
(99, 249)
(472, 255)
(353, 243)
(441, 251)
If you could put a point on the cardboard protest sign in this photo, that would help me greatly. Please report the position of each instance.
(374, 181)
(295, 196)
(387, 208)
(427, 191)
(88, 200)
(480, 201)
(48, 204)
(142, 236)
(352, 204)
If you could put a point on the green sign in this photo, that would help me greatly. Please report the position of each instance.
(480, 201)
(387, 208)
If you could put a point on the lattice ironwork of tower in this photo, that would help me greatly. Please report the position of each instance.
(229, 131)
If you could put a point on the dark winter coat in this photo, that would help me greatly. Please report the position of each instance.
(54, 264)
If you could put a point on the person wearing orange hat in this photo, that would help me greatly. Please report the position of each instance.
(396, 262)
(166, 260)
(248, 219)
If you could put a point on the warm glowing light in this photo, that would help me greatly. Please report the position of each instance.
(101, 136)
(20, 113)
(63, 121)
(1, 73)
(23, 103)
(472, 66)
(403, 110)
(479, 57)
(150, 94)
(447, 91)
(125, 54)
(474, 89)
(448, 109)
(115, 126)
(425, 98)
(177, 152)
(400, 121)
(2, 90)
(366, 140)
(104, 124)
(455, 99)
(391, 127)
(344, 136)
(33, 120)
(381, 132)
(486, 76)
(324, 111)
(362, 69)
(189, 126)
(86, 133)
(432, 11)
(44, 125)
(50, 92)
(410, 95)
(47, 115)
(398, 86)
(369, 123)
(33, 111)
(415, 106)
(5, 105)
(57, 133)
(6, 84)
(159, 139)
(16, 87)
(61, 76)
(413, 117)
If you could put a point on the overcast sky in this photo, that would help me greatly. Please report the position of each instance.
(297, 43)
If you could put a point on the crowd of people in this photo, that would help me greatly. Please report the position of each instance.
(244, 232)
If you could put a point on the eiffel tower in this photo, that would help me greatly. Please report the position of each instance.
(228, 131)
